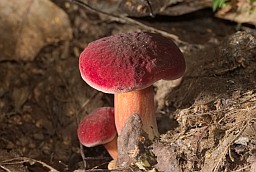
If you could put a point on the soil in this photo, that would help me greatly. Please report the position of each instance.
(208, 121)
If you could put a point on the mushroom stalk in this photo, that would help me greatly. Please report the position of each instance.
(140, 102)
(111, 147)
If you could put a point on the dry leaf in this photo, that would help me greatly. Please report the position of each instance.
(141, 8)
(28, 25)
(244, 11)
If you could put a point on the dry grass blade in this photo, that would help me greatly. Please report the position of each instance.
(214, 160)
(77, 115)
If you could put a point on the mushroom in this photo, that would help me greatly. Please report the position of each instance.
(99, 128)
(127, 65)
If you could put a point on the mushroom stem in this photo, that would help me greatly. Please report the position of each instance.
(140, 102)
(111, 147)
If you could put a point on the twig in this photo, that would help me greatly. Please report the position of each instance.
(124, 19)
(77, 114)
(151, 12)
(243, 168)
(86, 102)
(96, 167)
(21, 160)
(83, 155)
(4, 168)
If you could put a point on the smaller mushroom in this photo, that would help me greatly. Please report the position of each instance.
(99, 128)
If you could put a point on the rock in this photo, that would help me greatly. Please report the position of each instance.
(134, 146)
(164, 88)
(166, 158)
(28, 25)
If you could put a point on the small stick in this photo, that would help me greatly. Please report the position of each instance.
(4, 168)
(77, 114)
(83, 155)
(21, 160)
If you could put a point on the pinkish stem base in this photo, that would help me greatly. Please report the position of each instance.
(112, 148)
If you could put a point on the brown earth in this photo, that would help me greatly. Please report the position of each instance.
(207, 123)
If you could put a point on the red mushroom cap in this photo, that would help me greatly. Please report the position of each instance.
(130, 61)
(97, 128)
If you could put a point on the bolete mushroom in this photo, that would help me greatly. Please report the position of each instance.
(127, 65)
(98, 128)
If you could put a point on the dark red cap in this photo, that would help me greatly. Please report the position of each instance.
(130, 61)
(97, 128)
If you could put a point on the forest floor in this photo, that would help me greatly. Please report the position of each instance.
(208, 121)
